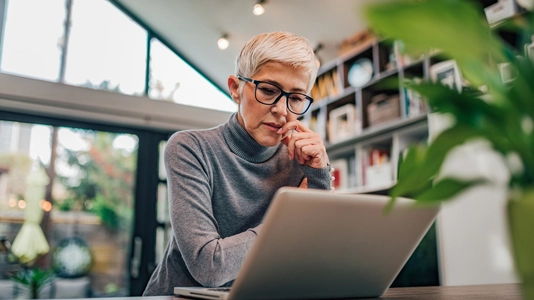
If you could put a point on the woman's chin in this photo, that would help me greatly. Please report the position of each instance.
(270, 142)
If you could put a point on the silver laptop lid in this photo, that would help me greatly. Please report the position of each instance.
(317, 244)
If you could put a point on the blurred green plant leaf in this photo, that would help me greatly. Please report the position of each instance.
(503, 115)
(455, 27)
(447, 188)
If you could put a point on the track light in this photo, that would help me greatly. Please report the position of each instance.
(317, 58)
(223, 42)
(258, 8)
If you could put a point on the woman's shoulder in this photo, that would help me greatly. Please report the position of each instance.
(195, 137)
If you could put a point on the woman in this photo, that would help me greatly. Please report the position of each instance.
(221, 180)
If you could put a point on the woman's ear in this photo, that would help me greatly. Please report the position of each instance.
(233, 87)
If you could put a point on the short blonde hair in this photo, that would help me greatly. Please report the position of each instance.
(278, 46)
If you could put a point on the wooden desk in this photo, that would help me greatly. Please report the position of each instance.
(479, 292)
(486, 292)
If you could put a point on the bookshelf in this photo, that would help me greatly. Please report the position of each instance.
(361, 110)
(364, 115)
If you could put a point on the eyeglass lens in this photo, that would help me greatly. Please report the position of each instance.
(268, 94)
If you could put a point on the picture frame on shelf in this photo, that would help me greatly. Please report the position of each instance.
(501, 10)
(340, 174)
(447, 73)
(415, 104)
(342, 123)
(379, 168)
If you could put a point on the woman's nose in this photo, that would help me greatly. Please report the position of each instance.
(281, 106)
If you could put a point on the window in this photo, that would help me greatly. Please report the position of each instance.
(33, 34)
(92, 198)
(172, 79)
(163, 231)
(106, 49)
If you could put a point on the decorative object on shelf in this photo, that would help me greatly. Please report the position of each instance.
(359, 40)
(503, 117)
(383, 108)
(501, 10)
(401, 58)
(327, 85)
(360, 72)
(340, 174)
(72, 258)
(415, 104)
(343, 123)
(447, 74)
(378, 170)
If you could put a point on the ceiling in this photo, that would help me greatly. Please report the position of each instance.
(193, 27)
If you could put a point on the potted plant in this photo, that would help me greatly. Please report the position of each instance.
(33, 279)
(503, 114)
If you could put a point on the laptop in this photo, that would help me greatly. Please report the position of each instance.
(318, 244)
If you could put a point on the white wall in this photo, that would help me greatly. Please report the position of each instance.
(473, 241)
(25, 95)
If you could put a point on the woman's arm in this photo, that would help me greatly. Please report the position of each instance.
(211, 259)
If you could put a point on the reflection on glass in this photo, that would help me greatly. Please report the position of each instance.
(91, 199)
(162, 238)
(107, 50)
(32, 39)
(161, 164)
(163, 207)
(172, 79)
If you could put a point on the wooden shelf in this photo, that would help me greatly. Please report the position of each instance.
(377, 130)
(377, 190)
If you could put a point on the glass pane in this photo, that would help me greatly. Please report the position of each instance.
(88, 209)
(161, 166)
(163, 208)
(107, 50)
(172, 79)
(32, 38)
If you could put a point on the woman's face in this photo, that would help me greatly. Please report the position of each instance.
(263, 121)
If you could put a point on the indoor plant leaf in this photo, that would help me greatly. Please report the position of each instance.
(446, 189)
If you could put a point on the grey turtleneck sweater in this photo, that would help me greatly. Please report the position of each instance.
(221, 182)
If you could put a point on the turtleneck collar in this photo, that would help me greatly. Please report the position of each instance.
(243, 145)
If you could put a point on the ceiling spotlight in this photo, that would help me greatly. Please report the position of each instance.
(317, 58)
(258, 8)
(223, 42)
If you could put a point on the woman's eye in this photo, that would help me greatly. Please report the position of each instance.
(296, 98)
(267, 91)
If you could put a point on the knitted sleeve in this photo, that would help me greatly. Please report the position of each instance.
(211, 260)
(318, 178)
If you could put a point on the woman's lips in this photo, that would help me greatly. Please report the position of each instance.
(272, 126)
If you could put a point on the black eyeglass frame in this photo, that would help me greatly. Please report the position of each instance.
(282, 94)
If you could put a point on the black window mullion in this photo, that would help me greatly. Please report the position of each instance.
(64, 44)
(3, 9)
(147, 71)
(146, 192)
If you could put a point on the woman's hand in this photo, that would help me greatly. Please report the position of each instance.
(304, 145)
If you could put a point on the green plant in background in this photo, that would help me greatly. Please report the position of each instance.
(33, 280)
(503, 116)
(103, 184)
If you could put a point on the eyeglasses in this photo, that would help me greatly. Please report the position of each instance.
(269, 94)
